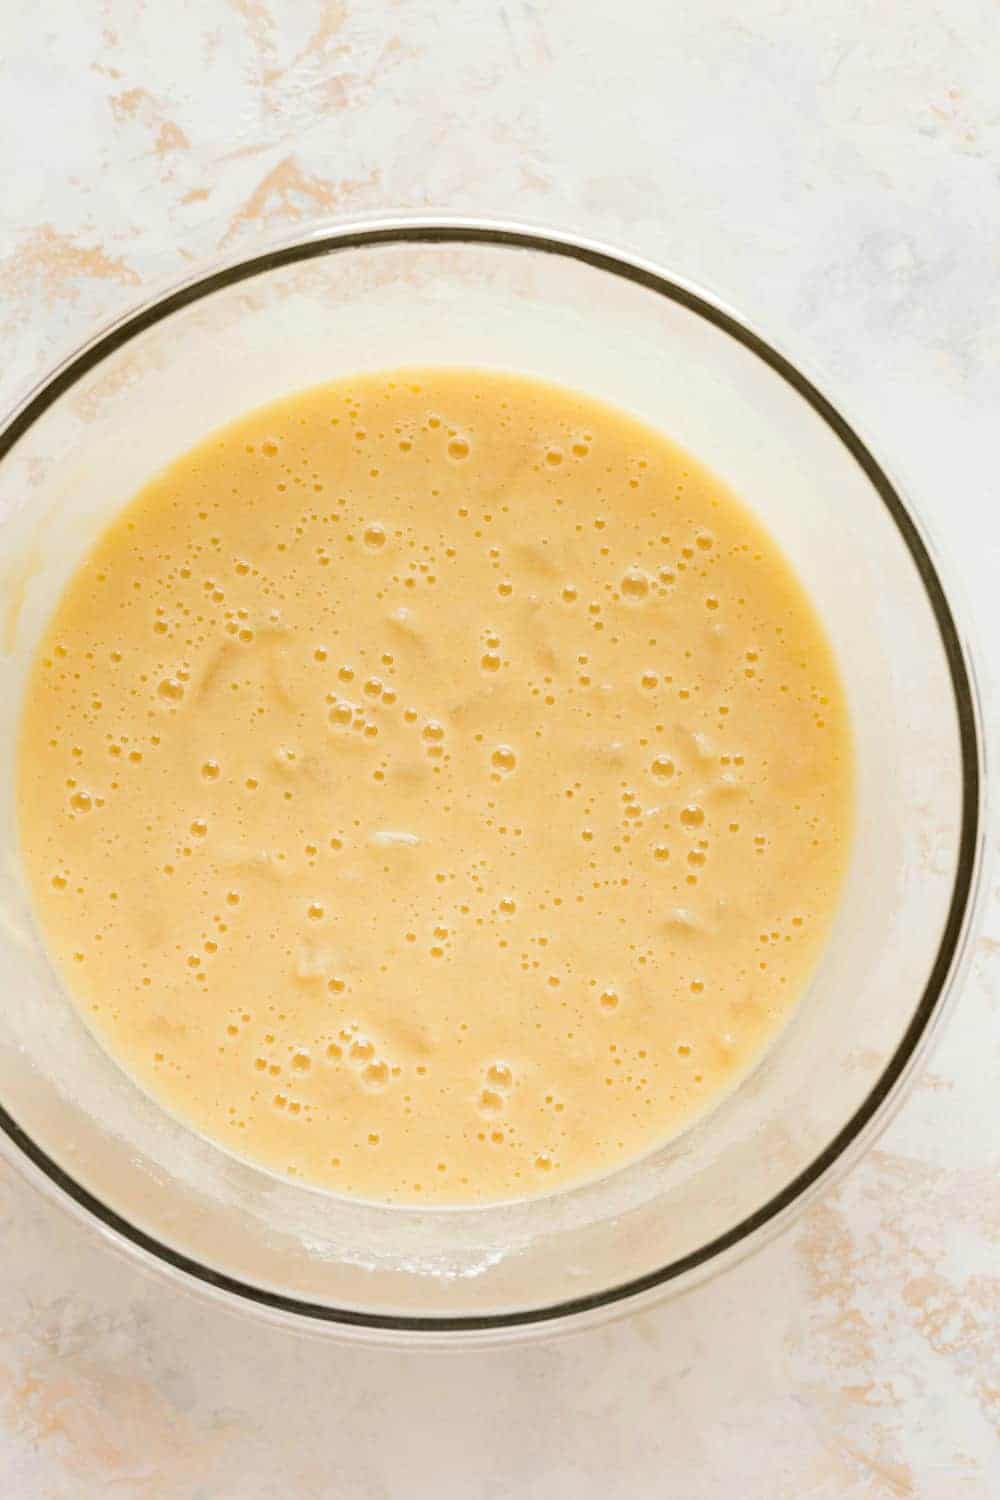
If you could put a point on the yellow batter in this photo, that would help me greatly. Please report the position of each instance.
(435, 786)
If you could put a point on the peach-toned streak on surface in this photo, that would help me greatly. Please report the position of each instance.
(106, 1424)
(56, 264)
(171, 138)
(288, 194)
(830, 1257)
(330, 22)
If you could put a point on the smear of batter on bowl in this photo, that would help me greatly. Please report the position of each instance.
(435, 786)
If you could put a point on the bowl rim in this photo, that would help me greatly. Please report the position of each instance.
(953, 951)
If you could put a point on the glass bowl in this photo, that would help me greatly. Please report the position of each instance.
(410, 291)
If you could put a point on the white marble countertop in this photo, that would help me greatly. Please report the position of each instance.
(833, 169)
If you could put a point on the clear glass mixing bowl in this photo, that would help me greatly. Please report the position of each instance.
(418, 292)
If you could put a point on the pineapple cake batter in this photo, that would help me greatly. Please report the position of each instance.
(435, 786)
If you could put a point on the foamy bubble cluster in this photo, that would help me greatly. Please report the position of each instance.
(431, 754)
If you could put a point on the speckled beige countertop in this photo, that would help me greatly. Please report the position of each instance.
(834, 169)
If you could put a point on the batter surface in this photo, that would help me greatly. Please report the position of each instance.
(435, 786)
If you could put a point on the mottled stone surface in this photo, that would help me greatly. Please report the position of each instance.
(833, 169)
